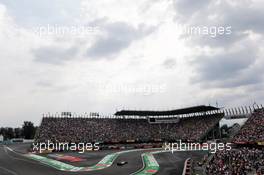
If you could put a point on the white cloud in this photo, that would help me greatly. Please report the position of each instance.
(140, 43)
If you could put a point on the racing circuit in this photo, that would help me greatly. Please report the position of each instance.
(124, 151)
(14, 160)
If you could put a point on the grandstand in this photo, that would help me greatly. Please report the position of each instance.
(253, 130)
(188, 124)
(247, 155)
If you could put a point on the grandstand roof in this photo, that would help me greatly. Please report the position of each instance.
(188, 110)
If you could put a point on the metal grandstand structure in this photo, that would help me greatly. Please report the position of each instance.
(201, 110)
(179, 113)
(241, 112)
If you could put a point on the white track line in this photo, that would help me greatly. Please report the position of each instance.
(8, 171)
(25, 160)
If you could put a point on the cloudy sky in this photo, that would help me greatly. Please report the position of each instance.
(104, 55)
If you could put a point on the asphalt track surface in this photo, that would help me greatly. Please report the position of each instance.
(173, 163)
(13, 163)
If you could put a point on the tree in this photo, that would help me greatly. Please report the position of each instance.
(10, 133)
(224, 127)
(18, 132)
(28, 130)
(224, 130)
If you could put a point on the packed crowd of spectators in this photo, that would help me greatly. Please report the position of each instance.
(69, 129)
(253, 129)
(237, 162)
(242, 161)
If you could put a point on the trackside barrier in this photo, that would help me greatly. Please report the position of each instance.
(187, 167)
